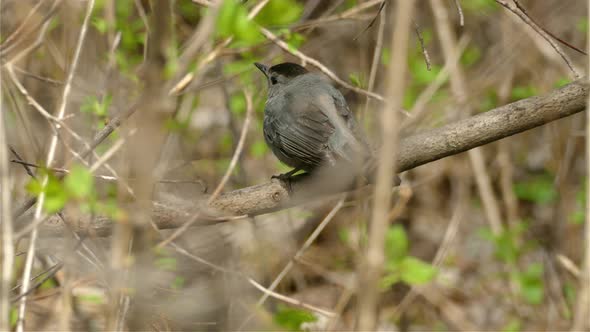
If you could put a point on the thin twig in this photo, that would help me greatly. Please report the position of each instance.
(379, 11)
(50, 157)
(547, 31)
(372, 264)
(310, 240)
(514, 8)
(460, 12)
(228, 172)
(306, 59)
(581, 317)
(7, 231)
(424, 50)
(450, 49)
(253, 282)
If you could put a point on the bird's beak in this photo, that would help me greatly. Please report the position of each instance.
(263, 68)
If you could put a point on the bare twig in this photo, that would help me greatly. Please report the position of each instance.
(6, 221)
(310, 240)
(376, 58)
(581, 316)
(371, 268)
(50, 158)
(424, 50)
(306, 59)
(286, 299)
(379, 11)
(460, 12)
(514, 7)
(459, 89)
(228, 172)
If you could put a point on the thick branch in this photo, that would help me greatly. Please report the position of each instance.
(429, 146)
(414, 151)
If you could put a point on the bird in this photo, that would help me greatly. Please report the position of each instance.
(308, 124)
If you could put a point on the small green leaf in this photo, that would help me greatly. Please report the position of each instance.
(225, 18)
(100, 24)
(166, 263)
(279, 12)
(531, 283)
(355, 79)
(385, 56)
(471, 55)
(291, 318)
(55, 195)
(389, 280)
(344, 235)
(178, 283)
(416, 272)
(48, 284)
(259, 149)
(582, 25)
(79, 182)
(513, 326)
(522, 92)
(237, 104)
(562, 82)
(396, 243)
(13, 316)
(539, 189)
(91, 298)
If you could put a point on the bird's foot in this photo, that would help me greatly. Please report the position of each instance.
(285, 177)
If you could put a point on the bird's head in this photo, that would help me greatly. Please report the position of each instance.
(281, 74)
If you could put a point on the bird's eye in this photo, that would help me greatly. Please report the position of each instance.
(273, 80)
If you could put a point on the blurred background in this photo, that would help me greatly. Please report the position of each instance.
(460, 255)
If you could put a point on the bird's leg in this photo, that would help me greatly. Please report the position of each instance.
(286, 176)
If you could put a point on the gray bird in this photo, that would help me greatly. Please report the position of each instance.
(307, 123)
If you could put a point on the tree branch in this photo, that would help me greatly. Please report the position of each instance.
(414, 151)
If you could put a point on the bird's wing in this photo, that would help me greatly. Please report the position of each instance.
(303, 134)
(348, 117)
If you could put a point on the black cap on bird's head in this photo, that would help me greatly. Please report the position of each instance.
(281, 73)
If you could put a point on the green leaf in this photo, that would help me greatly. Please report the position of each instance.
(178, 283)
(48, 284)
(91, 298)
(244, 29)
(232, 20)
(539, 189)
(396, 243)
(513, 326)
(389, 280)
(561, 82)
(355, 79)
(237, 104)
(531, 283)
(279, 12)
(100, 24)
(344, 235)
(97, 107)
(13, 316)
(582, 25)
(55, 195)
(79, 182)
(259, 149)
(385, 56)
(416, 272)
(522, 92)
(166, 263)
(225, 18)
(482, 7)
(471, 55)
(291, 318)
